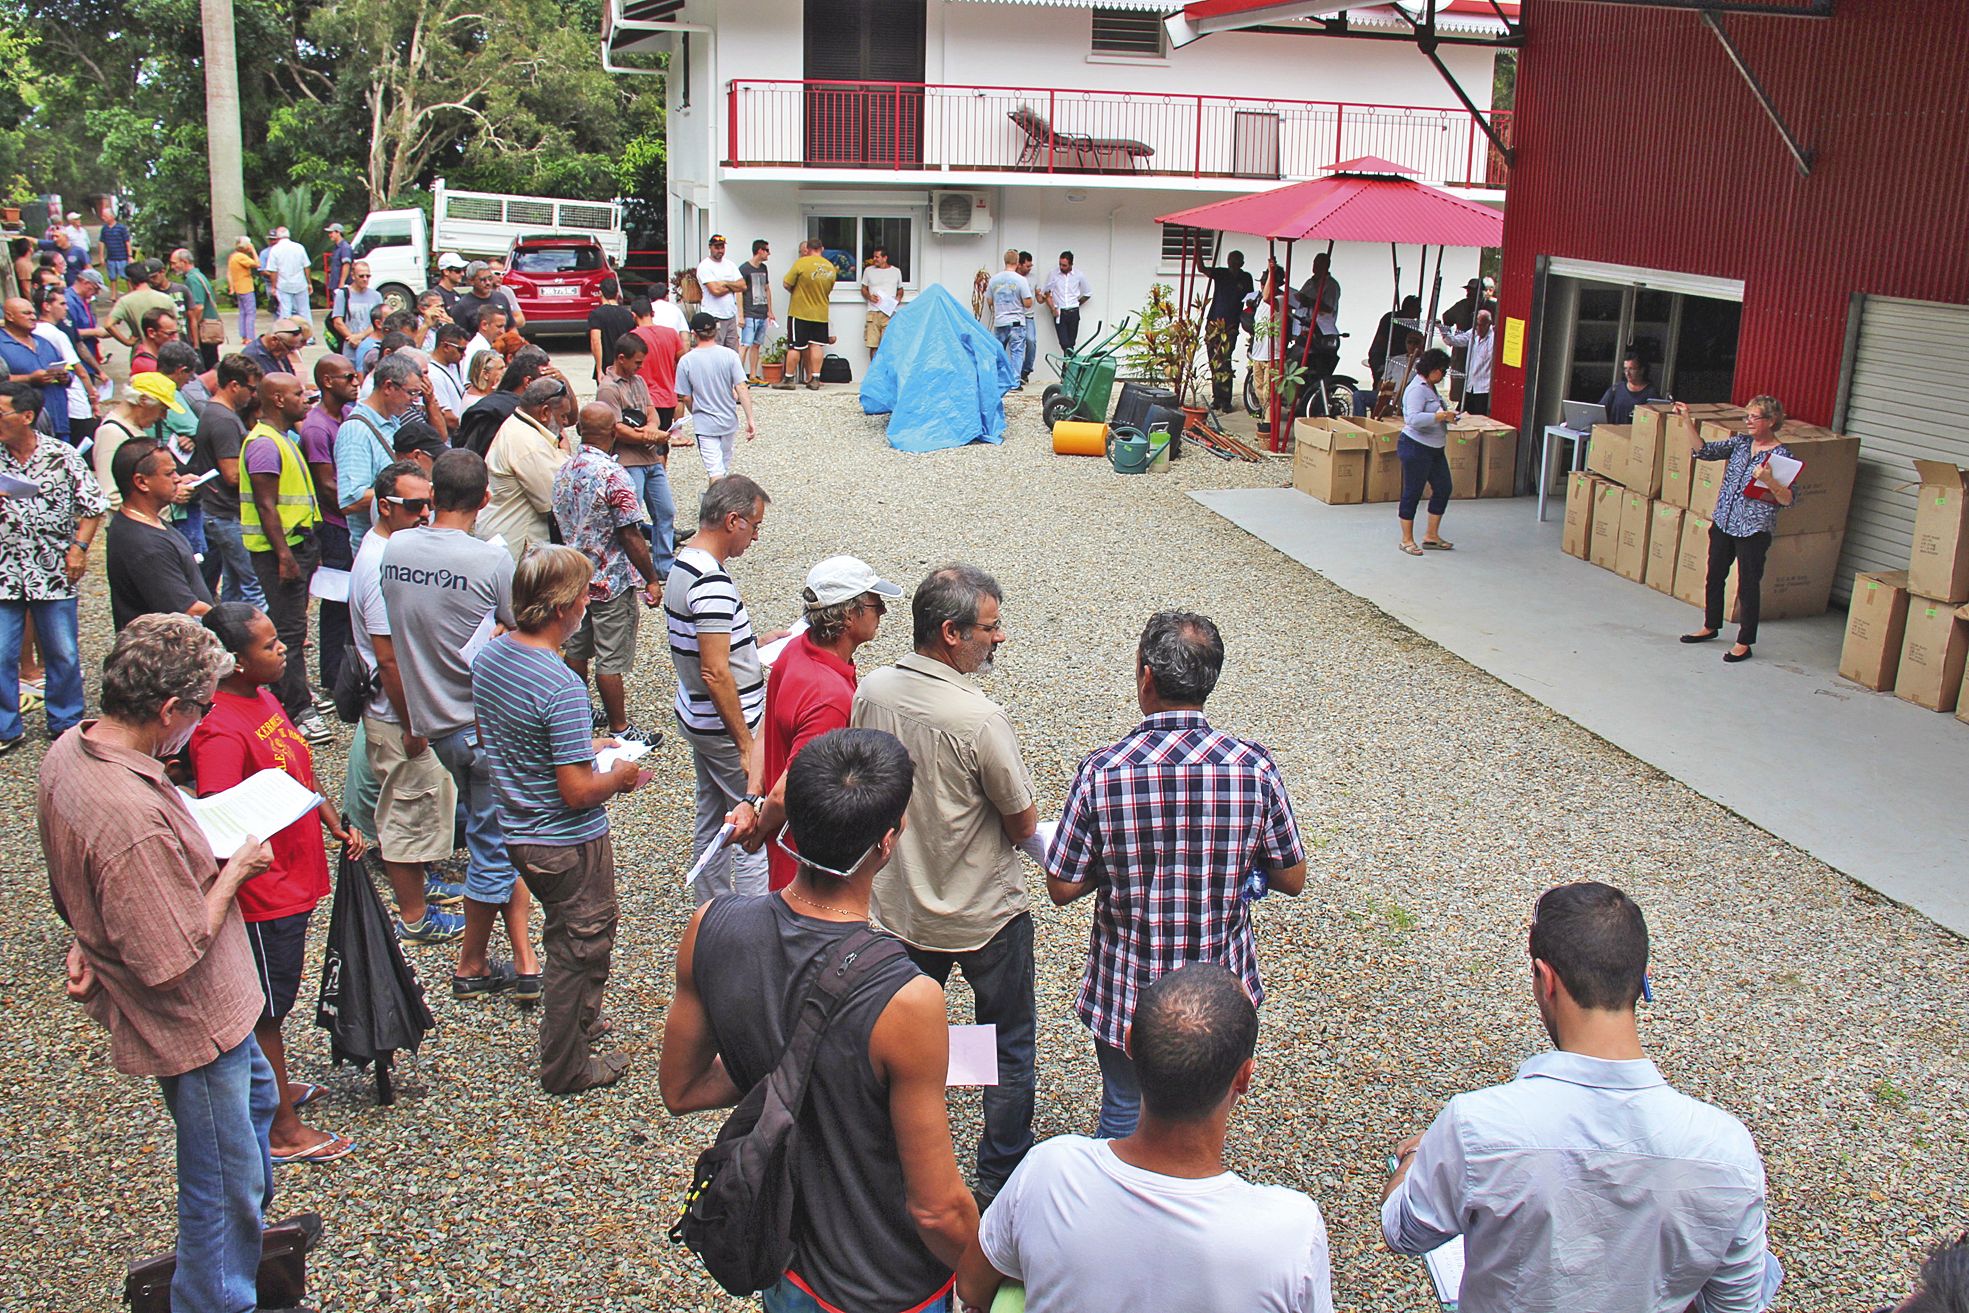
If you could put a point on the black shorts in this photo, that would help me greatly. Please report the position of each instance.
(278, 947)
(807, 332)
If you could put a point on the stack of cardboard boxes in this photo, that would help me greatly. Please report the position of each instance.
(1907, 630)
(1643, 506)
(1347, 461)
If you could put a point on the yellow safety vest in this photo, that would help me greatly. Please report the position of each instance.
(295, 501)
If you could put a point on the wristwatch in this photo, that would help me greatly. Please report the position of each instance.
(78, 544)
(756, 801)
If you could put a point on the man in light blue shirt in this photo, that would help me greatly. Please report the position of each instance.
(1587, 1183)
(1010, 298)
(363, 442)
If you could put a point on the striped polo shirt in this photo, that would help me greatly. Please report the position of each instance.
(700, 598)
(533, 718)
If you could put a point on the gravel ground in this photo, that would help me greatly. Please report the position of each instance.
(1436, 803)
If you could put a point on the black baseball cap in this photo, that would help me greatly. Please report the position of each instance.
(702, 323)
(415, 437)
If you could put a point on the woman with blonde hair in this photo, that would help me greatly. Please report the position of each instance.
(482, 374)
(534, 727)
(1753, 493)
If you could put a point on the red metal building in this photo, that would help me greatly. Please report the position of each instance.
(1640, 144)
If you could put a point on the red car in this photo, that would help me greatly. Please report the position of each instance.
(557, 279)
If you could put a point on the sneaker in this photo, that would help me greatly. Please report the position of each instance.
(8, 745)
(442, 892)
(635, 733)
(322, 701)
(784, 385)
(315, 730)
(597, 719)
(437, 927)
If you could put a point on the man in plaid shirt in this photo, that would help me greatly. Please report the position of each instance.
(1174, 828)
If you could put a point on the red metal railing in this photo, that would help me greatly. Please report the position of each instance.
(910, 125)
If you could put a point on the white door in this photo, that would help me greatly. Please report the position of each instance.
(1907, 397)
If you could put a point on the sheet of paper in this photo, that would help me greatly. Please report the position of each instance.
(329, 584)
(885, 304)
(725, 832)
(973, 1055)
(184, 457)
(205, 478)
(1784, 469)
(260, 806)
(474, 645)
(1445, 1264)
(11, 486)
(106, 391)
(607, 758)
(1035, 844)
(770, 652)
(87, 445)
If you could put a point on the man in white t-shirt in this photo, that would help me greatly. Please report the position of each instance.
(722, 284)
(881, 287)
(1066, 290)
(286, 265)
(1155, 1220)
(1010, 298)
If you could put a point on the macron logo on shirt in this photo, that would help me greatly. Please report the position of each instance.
(410, 574)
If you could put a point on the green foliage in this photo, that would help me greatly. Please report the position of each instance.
(1168, 345)
(296, 209)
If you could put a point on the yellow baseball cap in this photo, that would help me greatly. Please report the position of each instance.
(160, 388)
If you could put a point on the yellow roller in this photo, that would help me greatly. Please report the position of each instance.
(1079, 437)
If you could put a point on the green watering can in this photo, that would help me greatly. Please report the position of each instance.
(1131, 452)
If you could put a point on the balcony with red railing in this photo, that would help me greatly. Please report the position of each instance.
(918, 127)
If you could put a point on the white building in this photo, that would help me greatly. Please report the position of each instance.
(950, 130)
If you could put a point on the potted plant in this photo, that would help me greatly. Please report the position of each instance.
(1168, 347)
(772, 361)
(19, 193)
(1273, 377)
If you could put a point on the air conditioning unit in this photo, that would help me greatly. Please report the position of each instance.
(960, 212)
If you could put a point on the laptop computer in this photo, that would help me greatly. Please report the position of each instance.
(1581, 416)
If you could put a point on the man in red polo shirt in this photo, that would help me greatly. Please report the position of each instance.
(811, 690)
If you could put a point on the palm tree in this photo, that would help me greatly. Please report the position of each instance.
(223, 150)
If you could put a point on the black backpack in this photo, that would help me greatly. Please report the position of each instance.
(738, 1216)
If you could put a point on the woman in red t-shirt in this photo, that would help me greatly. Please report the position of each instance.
(243, 733)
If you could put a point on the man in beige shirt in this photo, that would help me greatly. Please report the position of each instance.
(955, 891)
(524, 456)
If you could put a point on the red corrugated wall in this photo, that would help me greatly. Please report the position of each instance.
(1639, 144)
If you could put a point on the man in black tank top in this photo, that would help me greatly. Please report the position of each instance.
(883, 1214)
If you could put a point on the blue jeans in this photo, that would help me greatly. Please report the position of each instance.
(1422, 464)
(752, 332)
(54, 633)
(652, 484)
(223, 538)
(249, 316)
(1032, 349)
(490, 874)
(1013, 338)
(789, 1298)
(292, 304)
(1121, 1093)
(225, 1177)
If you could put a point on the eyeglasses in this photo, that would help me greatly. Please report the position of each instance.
(876, 605)
(994, 628)
(415, 505)
(1755, 414)
(204, 708)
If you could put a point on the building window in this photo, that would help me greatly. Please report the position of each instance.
(1133, 32)
(1200, 243)
(847, 239)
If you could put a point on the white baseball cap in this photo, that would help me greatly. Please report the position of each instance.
(844, 578)
(451, 260)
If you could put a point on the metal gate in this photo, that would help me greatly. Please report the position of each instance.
(1906, 396)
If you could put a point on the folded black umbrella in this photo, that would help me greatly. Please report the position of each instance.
(372, 1002)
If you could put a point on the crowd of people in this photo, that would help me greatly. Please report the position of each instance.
(467, 567)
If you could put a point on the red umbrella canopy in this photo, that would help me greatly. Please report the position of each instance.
(1361, 200)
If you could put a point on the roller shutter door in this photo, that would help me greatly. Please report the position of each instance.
(1908, 397)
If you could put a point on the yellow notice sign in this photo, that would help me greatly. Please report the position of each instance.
(1514, 342)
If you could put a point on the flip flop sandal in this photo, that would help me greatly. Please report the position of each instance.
(1410, 548)
(1438, 545)
(331, 1147)
(309, 1093)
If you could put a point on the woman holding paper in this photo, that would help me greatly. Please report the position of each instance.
(243, 733)
(1757, 480)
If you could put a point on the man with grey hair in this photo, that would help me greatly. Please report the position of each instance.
(957, 897)
(160, 958)
(1175, 828)
(525, 455)
(721, 690)
(364, 443)
(484, 290)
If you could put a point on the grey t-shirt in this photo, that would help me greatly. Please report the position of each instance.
(220, 435)
(439, 588)
(707, 375)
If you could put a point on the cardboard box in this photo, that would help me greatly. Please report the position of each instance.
(1465, 450)
(1604, 542)
(1606, 451)
(1384, 466)
(1824, 488)
(1932, 651)
(1497, 472)
(1705, 487)
(1330, 460)
(1645, 447)
(1692, 560)
(1664, 545)
(1578, 540)
(1940, 566)
(1798, 575)
(1680, 434)
(1876, 624)
(1631, 557)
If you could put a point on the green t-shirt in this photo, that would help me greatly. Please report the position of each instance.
(131, 307)
(200, 288)
(810, 280)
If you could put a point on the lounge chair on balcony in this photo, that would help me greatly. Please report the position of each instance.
(1074, 152)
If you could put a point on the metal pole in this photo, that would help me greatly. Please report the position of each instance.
(1197, 163)
(1282, 424)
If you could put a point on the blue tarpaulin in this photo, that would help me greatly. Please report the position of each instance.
(940, 376)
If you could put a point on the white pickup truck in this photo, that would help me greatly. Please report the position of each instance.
(401, 249)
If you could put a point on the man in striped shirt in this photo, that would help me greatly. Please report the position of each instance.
(1174, 829)
(721, 689)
